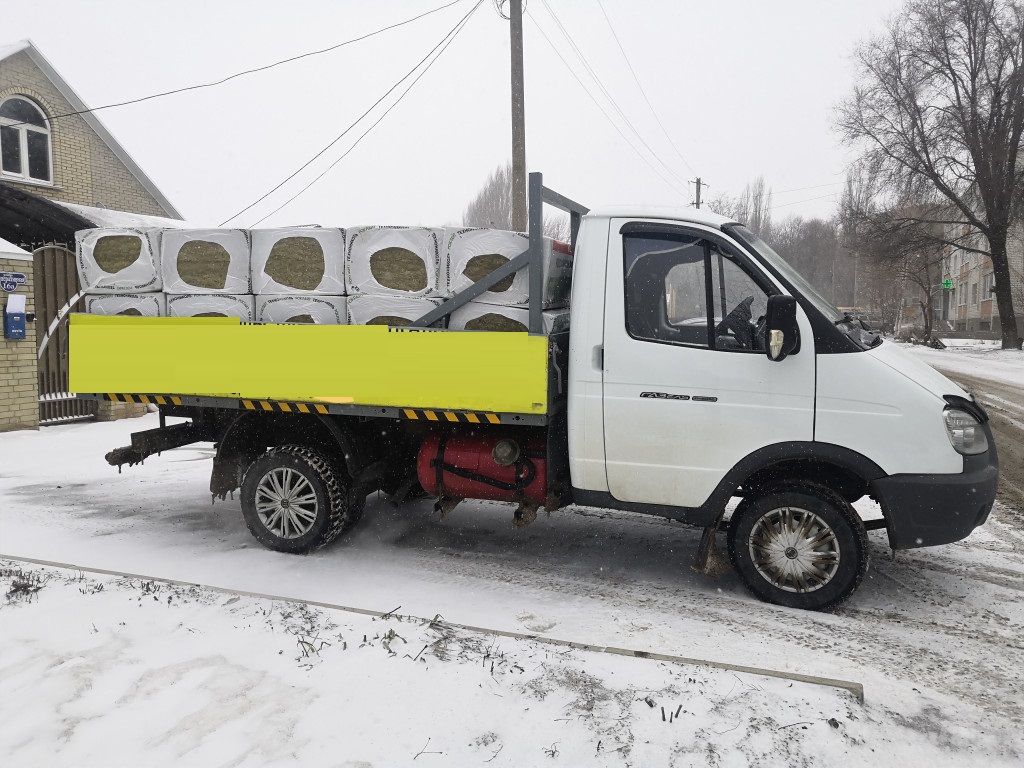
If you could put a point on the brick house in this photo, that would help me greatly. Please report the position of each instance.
(18, 404)
(969, 306)
(60, 171)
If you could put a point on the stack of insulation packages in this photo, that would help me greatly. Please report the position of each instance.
(360, 276)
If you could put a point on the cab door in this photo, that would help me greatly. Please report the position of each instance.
(688, 389)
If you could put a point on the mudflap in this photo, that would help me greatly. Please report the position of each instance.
(709, 560)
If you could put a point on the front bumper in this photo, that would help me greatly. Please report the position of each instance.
(927, 510)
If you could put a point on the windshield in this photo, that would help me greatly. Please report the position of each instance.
(791, 276)
(849, 325)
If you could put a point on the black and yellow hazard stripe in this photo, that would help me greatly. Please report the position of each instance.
(280, 406)
(289, 406)
(144, 399)
(455, 417)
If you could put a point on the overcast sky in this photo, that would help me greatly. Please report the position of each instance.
(743, 87)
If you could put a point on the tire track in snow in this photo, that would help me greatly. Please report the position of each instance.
(923, 635)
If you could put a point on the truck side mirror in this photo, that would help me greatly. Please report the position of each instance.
(782, 335)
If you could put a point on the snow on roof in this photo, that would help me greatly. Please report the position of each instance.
(695, 215)
(11, 251)
(104, 217)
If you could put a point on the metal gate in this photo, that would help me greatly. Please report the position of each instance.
(57, 294)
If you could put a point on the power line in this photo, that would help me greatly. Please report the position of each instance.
(251, 71)
(816, 186)
(341, 135)
(809, 200)
(640, 86)
(450, 39)
(605, 91)
(604, 112)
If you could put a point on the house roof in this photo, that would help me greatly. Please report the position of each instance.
(32, 219)
(26, 46)
(106, 217)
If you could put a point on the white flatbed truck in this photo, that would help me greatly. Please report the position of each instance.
(697, 367)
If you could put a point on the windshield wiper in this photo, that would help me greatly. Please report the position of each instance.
(857, 330)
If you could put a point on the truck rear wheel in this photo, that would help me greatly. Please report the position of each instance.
(800, 546)
(294, 500)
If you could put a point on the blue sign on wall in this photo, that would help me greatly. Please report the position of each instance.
(9, 281)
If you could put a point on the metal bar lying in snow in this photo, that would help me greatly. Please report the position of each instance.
(857, 689)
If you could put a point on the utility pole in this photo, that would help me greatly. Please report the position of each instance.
(698, 183)
(518, 119)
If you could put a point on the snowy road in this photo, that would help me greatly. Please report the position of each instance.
(934, 635)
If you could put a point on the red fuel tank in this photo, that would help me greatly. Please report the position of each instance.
(483, 467)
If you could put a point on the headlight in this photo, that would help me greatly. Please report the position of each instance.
(965, 432)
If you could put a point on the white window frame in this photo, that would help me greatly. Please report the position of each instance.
(23, 131)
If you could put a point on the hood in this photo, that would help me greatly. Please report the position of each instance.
(915, 369)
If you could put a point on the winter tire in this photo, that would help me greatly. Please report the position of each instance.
(294, 500)
(798, 546)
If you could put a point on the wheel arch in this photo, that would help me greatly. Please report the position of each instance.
(775, 463)
(248, 435)
(840, 469)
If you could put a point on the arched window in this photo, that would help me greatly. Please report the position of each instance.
(24, 141)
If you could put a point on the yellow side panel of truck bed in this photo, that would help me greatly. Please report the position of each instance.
(360, 364)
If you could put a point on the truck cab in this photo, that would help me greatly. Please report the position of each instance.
(677, 403)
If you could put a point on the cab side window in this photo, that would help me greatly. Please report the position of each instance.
(691, 290)
(739, 303)
(666, 293)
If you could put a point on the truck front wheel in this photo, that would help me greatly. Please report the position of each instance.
(294, 500)
(801, 547)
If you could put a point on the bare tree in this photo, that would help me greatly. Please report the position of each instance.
(902, 245)
(879, 290)
(939, 115)
(813, 247)
(753, 207)
(922, 267)
(492, 207)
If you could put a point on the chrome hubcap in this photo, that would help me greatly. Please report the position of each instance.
(286, 503)
(794, 549)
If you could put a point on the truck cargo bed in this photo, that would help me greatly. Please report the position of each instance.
(358, 370)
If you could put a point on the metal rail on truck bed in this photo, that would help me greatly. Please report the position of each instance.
(528, 259)
(323, 409)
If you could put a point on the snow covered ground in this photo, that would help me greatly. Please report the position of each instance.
(974, 357)
(102, 670)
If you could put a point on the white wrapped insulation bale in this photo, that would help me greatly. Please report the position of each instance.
(205, 261)
(118, 260)
(138, 304)
(211, 305)
(480, 316)
(320, 310)
(395, 261)
(474, 253)
(298, 260)
(399, 311)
